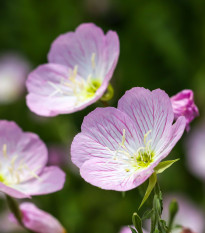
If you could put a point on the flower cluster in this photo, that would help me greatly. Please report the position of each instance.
(117, 148)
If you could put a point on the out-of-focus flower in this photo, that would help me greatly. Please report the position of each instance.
(118, 149)
(195, 150)
(13, 72)
(183, 105)
(38, 220)
(57, 155)
(22, 165)
(189, 216)
(84, 64)
(127, 230)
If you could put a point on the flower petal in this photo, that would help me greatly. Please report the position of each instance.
(19, 149)
(50, 94)
(38, 220)
(12, 192)
(50, 180)
(111, 175)
(102, 133)
(166, 144)
(149, 110)
(77, 48)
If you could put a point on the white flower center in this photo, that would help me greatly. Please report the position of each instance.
(10, 172)
(82, 89)
(141, 159)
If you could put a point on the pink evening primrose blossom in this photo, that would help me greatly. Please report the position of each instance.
(38, 220)
(127, 230)
(22, 165)
(195, 148)
(81, 64)
(118, 148)
(189, 215)
(13, 72)
(183, 105)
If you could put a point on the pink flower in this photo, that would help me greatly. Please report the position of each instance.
(127, 230)
(195, 151)
(22, 164)
(189, 215)
(183, 105)
(118, 149)
(13, 72)
(81, 66)
(38, 220)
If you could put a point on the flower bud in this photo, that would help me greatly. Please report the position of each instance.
(183, 105)
(38, 220)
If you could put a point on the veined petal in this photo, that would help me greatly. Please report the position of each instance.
(166, 144)
(80, 47)
(50, 180)
(84, 147)
(149, 110)
(105, 132)
(112, 175)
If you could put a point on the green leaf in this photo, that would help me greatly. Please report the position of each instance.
(161, 167)
(147, 214)
(152, 182)
(132, 229)
(137, 222)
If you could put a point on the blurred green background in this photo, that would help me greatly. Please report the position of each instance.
(162, 45)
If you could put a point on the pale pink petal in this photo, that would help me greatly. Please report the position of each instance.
(50, 180)
(20, 150)
(102, 132)
(166, 144)
(149, 110)
(50, 95)
(12, 192)
(77, 48)
(127, 230)
(112, 175)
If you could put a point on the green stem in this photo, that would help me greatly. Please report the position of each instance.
(14, 208)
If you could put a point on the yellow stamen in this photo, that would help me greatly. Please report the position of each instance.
(4, 150)
(93, 60)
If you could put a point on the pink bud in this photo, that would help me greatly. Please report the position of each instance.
(38, 220)
(183, 105)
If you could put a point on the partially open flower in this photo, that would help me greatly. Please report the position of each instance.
(81, 66)
(118, 149)
(183, 105)
(13, 72)
(23, 170)
(38, 220)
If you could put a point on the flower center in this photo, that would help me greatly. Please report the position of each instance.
(83, 89)
(12, 172)
(142, 158)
